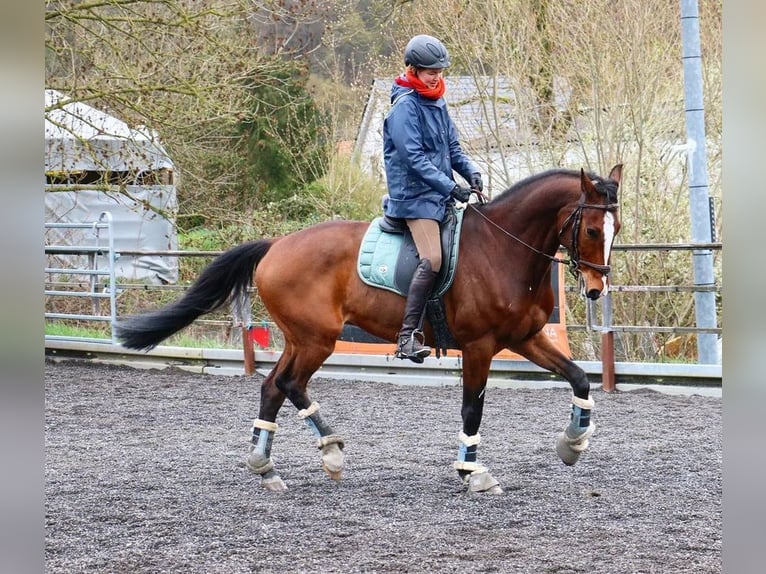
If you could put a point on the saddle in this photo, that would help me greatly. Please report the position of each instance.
(388, 259)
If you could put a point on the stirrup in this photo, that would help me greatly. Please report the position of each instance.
(416, 355)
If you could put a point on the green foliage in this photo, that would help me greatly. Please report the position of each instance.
(200, 239)
(344, 192)
(192, 338)
(281, 138)
(73, 329)
(213, 339)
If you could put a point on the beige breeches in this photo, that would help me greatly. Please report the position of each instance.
(425, 233)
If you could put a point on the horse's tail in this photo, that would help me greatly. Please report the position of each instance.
(226, 278)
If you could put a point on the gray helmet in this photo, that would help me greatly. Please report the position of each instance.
(426, 51)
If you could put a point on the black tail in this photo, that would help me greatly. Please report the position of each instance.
(228, 276)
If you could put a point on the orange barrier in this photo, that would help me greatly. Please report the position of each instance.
(556, 330)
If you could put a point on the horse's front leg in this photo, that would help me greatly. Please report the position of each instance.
(475, 475)
(574, 439)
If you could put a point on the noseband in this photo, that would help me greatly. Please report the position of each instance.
(574, 251)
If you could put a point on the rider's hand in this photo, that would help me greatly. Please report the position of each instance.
(476, 183)
(461, 194)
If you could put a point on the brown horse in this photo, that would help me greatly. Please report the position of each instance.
(501, 298)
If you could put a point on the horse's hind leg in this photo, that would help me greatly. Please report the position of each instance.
(259, 459)
(305, 361)
(575, 437)
(289, 379)
(328, 442)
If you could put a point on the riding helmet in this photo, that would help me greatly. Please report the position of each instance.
(425, 51)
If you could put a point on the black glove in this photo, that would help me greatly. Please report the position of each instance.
(461, 193)
(476, 183)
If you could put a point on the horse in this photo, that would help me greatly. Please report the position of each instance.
(501, 298)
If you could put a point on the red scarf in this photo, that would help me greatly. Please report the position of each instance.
(410, 80)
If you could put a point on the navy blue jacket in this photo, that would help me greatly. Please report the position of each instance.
(420, 150)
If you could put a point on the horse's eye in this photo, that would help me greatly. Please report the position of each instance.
(592, 233)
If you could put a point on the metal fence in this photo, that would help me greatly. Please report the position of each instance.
(101, 256)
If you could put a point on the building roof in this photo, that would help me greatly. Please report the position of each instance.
(79, 137)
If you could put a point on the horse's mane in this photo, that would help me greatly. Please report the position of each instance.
(604, 186)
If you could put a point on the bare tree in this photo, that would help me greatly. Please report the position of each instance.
(593, 83)
(190, 70)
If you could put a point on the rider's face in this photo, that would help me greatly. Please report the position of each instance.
(430, 76)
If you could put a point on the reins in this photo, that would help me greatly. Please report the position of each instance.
(524, 243)
(574, 263)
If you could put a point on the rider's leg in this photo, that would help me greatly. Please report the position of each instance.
(425, 233)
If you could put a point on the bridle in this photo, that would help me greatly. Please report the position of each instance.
(575, 219)
(574, 251)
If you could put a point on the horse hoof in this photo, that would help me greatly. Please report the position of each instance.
(332, 461)
(274, 484)
(569, 449)
(483, 482)
(259, 464)
(568, 456)
(333, 474)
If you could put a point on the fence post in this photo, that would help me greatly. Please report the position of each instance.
(247, 345)
(106, 216)
(607, 345)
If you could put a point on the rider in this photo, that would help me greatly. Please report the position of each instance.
(421, 150)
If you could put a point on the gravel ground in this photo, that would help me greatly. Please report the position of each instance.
(145, 474)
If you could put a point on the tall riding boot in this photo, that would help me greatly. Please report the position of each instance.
(410, 336)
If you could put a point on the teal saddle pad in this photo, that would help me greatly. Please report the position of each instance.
(388, 260)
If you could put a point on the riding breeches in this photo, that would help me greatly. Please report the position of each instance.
(427, 238)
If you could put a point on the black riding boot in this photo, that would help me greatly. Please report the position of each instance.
(410, 336)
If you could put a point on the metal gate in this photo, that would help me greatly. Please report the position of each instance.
(98, 249)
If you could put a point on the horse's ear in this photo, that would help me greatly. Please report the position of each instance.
(586, 185)
(616, 173)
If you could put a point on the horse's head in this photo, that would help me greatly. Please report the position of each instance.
(588, 232)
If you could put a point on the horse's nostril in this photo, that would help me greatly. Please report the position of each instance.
(594, 294)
